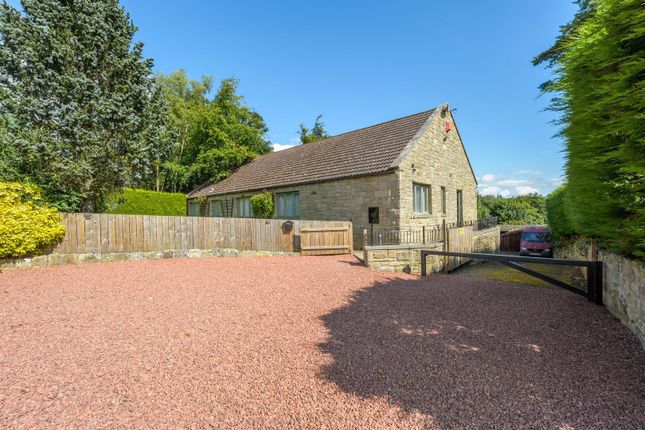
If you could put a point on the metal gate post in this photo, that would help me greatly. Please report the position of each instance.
(591, 282)
(599, 283)
(424, 270)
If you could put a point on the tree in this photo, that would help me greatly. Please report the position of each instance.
(527, 209)
(598, 62)
(317, 132)
(213, 136)
(82, 105)
(187, 104)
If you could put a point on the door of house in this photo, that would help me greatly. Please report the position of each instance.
(460, 208)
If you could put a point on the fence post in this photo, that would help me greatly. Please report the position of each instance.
(364, 238)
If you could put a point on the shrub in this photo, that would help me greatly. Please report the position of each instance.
(556, 214)
(27, 223)
(145, 202)
(262, 205)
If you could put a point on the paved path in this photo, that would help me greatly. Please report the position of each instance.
(305, 342)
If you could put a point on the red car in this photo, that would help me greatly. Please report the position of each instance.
(535, 241)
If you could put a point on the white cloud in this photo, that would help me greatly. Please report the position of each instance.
(495, 191)
(511, 182)
(280, 146)
(488, 178)
(525, 189)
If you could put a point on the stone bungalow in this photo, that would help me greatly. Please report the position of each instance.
(408, 171)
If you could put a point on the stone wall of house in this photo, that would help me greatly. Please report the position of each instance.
(438, 159)
(623, 283)
(341, 200)
(407, 258)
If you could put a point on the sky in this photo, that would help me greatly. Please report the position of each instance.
(363, 62)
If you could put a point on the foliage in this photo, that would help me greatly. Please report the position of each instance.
(27, 224)
(213, 136)
(316, 133)
(599, 62)
(262, 205)
(144, 202)
(557, 217)
(483, 211)
(529, 209)
(84, 114)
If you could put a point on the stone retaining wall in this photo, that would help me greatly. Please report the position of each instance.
(623, 283)
(59, 259)
(407, 258)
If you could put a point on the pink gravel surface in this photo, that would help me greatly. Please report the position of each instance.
(305, 342)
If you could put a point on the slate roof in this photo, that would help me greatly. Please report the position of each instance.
(362, 152)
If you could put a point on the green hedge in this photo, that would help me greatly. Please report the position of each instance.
(262, 205)
(556, 215)
(144, 202)
(599, 89)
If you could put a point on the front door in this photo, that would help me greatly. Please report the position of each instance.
(460, 208)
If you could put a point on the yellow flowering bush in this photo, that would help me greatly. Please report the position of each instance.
(27, 223)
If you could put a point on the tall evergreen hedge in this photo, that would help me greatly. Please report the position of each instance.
(599, 65)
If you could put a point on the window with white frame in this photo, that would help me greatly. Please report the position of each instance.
(244, 209)
(193, 209)
(421, 198)
(216, 208)
(288, 204)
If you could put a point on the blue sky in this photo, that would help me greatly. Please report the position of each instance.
(363, 62)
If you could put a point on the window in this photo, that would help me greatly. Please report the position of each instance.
(193, 209)
(244, 209)
(216, 208)
(372, 214)
(443, 200)
(421, 198)
(288, 205)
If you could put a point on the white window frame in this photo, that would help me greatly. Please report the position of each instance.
(244, 212)
(421, 200)
(293, 207)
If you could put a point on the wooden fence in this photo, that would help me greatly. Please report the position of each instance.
(107, 233)
(326, 239)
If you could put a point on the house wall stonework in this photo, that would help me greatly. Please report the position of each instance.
(438, 159)
(435, 157)
(342, 200)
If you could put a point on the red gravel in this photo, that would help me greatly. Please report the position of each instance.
(305, 342)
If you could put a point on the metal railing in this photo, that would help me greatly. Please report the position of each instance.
(417, 234)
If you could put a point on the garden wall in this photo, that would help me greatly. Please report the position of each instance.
(407, 258)
(623, 283)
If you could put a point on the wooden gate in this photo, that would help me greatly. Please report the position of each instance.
(458, 239)
(334, 237)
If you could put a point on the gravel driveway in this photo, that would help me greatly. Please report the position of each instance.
(305, 342)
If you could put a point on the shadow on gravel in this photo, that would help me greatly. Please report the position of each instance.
(473, 353)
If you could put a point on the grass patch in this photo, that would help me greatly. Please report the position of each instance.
(144, 202)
